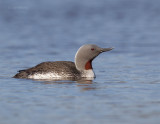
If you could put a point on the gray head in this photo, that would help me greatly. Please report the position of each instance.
(86, 54)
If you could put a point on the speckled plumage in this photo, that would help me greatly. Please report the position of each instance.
(63, 68)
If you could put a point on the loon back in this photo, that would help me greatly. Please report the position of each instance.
(61, 68)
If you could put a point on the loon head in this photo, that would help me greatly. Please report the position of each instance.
(86, 54)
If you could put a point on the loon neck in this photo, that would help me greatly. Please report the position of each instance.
(83, 65)
(83, 61)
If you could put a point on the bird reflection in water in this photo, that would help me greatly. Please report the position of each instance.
(84, 83)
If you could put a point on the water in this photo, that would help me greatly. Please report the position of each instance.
(126, 89)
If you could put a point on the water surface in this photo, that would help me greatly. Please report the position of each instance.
(127, 83)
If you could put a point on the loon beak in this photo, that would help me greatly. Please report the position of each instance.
(106, 49)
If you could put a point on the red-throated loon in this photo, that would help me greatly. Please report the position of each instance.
(82, 68)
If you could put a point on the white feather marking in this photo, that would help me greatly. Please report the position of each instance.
(45, 76)
(88, 73)
(52, 75)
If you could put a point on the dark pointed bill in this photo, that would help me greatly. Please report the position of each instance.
(106, 49)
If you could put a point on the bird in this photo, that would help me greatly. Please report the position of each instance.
(81, 68)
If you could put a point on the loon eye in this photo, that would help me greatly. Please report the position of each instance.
(92, 49)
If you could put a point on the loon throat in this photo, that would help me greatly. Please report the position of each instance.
(88, 65)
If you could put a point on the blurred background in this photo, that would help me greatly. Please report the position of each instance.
(33, 31)
(35, 28)
(69, 23)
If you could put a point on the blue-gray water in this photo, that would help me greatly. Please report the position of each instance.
(127, 87)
